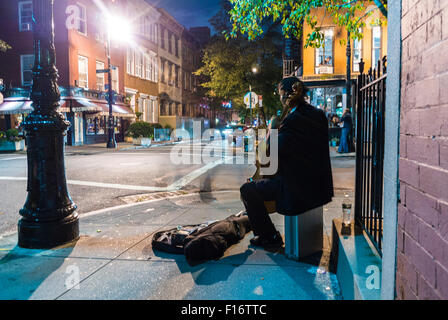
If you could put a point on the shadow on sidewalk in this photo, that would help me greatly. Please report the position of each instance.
(19, 283)
(199, 271)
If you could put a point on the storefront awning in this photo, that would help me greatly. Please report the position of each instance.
(117, 111)
(79, 104)
(14, 106)
(67, 104)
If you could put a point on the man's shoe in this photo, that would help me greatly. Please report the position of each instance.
(270, 242)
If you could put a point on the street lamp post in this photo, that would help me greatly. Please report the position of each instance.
(111, 143)
(348, 83)
(48, 215)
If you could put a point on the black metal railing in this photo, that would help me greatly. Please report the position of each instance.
(371, 98)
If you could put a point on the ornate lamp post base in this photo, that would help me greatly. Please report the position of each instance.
(48, 216)
(46, 235)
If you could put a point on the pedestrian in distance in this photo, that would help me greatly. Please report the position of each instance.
(303, 180)
(346, 125)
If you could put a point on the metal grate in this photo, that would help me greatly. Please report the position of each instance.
(371, 98)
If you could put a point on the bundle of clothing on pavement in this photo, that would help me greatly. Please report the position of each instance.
(203, 242)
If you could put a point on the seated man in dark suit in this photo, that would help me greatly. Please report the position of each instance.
(304, 179)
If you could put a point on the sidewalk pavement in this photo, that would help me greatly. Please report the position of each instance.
(113, 259)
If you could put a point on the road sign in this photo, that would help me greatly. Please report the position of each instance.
(251, 96)
(102, 71)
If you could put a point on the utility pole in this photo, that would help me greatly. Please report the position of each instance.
(48, 216)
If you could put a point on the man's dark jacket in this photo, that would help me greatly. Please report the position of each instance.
(304, 171)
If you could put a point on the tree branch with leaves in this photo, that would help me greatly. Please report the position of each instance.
(4, 46)
(249, 16)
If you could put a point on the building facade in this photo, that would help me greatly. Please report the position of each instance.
(324, 69)
(170, 62)
(142, 61)
(80, 43)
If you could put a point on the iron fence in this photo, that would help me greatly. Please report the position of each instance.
(371, 98)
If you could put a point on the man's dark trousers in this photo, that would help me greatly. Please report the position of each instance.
(254, 194)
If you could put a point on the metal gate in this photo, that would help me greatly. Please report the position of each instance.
(371, 98)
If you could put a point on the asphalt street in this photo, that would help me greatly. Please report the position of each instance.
(102, 178)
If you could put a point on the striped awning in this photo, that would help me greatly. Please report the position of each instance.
(67, 104)
(117, 111)
(14, 106)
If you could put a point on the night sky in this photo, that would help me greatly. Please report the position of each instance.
(190, 13)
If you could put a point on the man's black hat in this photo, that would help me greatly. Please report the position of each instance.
(287, 84)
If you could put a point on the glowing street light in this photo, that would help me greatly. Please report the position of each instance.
(119, 29)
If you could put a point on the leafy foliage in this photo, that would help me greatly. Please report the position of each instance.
(11, 135)
(140, 129)
(249, 17)
(4, 46)
(228, 63)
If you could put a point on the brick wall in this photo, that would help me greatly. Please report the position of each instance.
(422, 253)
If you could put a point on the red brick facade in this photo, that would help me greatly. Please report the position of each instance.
(422, 253)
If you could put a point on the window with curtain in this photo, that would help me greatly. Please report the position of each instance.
(324, 54)
(26, 66)
(357, 53)
(100, 76)
(82, 19)
(83, 72)
(376, 45)
(25, 15)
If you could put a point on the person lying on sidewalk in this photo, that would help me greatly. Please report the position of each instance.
(303, 180)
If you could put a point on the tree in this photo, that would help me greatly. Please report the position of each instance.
(4, 46)
(228, 63)
(248, 17)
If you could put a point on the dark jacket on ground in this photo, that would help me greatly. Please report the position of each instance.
(304, 171)
(212, 241)
(200, 243)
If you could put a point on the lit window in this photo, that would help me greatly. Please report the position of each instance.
(26, 65)
(376, 45)
(25, 15)
(83, 70)
(100, 76)
(82, 19)
(324, 54)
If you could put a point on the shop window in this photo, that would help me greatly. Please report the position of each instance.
(25, 15)
(100, 76)
(376, 45)
(26, 65)
(96, 125)
(324, 54)
(83, 72)
(357, 53)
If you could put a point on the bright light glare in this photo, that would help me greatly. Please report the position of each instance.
(254, 70)
(118, 28)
